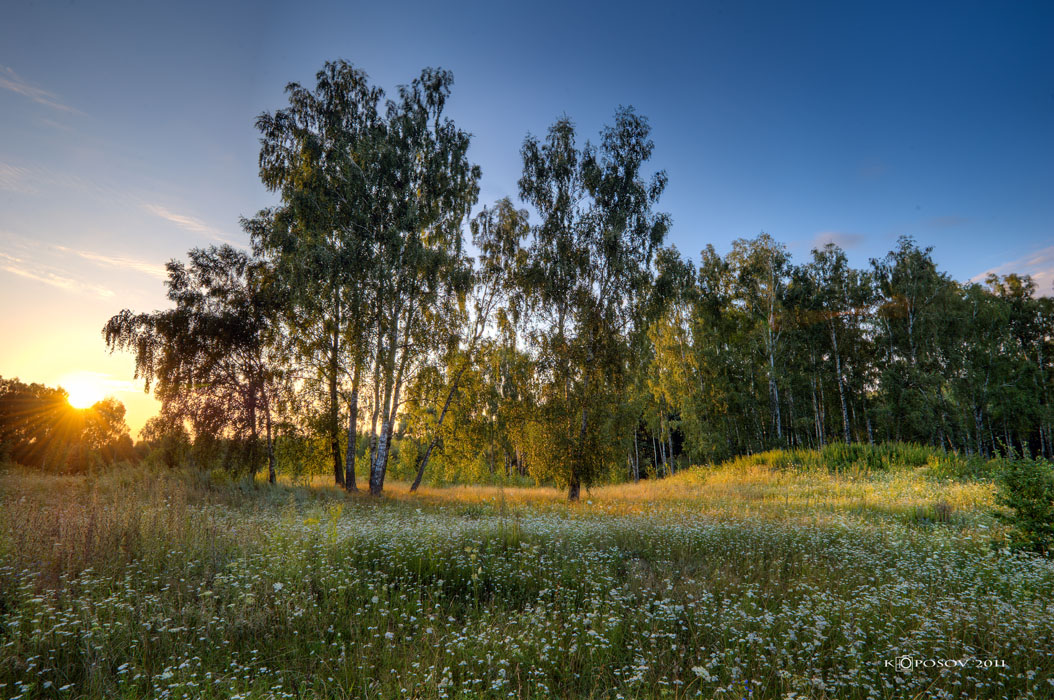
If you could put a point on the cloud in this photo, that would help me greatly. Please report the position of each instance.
(147, 268)
(33, 179)
(10, 80)
(187, 222)
(1039, 264)
(49, 275)
(15, 179)
(56, 125)
(842, 239)
(35, 260)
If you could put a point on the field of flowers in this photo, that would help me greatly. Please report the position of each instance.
(745, 581)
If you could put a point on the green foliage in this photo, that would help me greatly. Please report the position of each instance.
(750, 352)
(477, 382)
(210, 359)
(862, 459)
(367, 241)
(168, 442)
(573, 349)
(1026, 490)
(586, 284)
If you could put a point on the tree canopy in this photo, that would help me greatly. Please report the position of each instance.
(382, 321)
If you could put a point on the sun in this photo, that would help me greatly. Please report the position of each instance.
(83, 390)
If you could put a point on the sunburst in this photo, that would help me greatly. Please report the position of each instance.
(84, 390)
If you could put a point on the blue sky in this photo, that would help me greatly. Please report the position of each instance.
(126, 130)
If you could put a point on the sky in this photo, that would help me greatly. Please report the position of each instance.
(127, 137)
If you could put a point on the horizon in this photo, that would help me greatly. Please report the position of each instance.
(850, 125)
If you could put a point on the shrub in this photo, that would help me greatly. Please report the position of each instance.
(1026, 489)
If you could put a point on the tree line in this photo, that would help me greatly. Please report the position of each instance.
(40, 429)
(754, 352)
(562, 342)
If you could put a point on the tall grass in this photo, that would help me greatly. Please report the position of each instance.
(859, 458)
(760, 579)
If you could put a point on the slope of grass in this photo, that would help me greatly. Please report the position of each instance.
(760, 578)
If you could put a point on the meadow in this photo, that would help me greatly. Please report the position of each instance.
(783, 575)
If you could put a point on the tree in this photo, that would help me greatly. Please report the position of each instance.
(497, 234)
(368, 238)
(588, 268)
(761, 268)
(420, 266)
(910, 321)
(210, 359)
(842, 297)
(672, 375)
(979, 364)
(328, 156)
(168, 441)
(1026, 333)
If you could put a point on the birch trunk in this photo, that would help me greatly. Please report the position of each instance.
(841, 386)
(271, 470)
(334, 418)
(353, 422)
(435, 438)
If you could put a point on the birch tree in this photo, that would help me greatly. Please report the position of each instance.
(210, 360)
(320, 154)
(589, 265)
(761, 269)
(419, 265)
(497, 233)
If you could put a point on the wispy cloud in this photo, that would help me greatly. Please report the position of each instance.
(49, 275)
(15, 179)
(10, 80)
(188, 223)
(51, 264)
(56, 125)
(842, 239)
(147, 268)
(1039, 264)
(33, 179)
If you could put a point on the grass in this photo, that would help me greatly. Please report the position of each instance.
(778, 576)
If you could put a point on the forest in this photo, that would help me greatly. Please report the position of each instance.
(383, 323)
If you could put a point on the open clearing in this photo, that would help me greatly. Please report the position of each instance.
(740, 581)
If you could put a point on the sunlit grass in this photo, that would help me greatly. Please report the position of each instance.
(743, 580)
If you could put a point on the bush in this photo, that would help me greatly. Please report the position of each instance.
(853, 458)
(1026, 489)
(954, 465)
